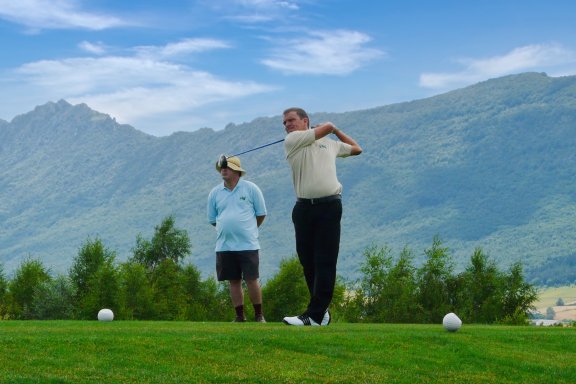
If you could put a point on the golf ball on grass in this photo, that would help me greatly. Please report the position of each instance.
(451, 322)
(105, 315)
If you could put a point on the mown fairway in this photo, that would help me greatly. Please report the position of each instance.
(186, 352)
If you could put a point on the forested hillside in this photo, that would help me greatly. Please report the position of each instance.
(492, 165)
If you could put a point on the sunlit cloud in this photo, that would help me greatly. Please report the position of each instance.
(268, 4)
(254, 11)
(191, 90)
(55, 14)
(323, 53)
(540, 57)
(93, 48)
(182, 47)
(252, 18)
(133, 88)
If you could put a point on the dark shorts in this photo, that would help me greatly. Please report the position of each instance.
(235, 265)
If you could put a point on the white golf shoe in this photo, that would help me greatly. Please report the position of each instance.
(326, 319)
(304, 320)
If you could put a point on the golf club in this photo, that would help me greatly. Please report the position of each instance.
(223, 159)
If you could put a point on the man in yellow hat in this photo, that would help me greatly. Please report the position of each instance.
(237, 208)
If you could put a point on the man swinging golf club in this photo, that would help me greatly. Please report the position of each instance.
(318, 209)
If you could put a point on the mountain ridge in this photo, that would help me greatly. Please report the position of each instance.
(490, 165)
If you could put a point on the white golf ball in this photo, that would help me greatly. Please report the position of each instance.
(105, 315)
(451, 322)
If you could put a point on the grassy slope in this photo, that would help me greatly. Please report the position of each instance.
(549, 296)
(488, 166)
(177, 352)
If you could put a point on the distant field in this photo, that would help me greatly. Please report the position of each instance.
(548, 298)
(187, 352)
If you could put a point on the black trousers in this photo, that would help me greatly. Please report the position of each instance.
(317, 228)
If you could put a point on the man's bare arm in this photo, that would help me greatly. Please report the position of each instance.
(260, 220)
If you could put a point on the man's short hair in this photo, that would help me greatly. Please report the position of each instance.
(299, 111)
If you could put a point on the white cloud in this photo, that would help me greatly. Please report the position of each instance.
(539, 57)
(323, 53)
(94, 48)
(254, 11)
(133, 89)
(182, 47)
(55, 14)
(269, 4)
(253, 18)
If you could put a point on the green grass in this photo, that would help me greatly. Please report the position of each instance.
(187, 352)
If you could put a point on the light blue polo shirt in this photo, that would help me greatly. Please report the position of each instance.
(234, 213)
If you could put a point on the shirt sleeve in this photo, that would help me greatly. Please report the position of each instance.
(298, 139)
(344, 149)
(259, 203)
(211, 208)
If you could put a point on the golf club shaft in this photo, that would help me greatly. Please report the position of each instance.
(262, 146)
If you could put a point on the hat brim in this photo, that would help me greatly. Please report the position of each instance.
(236, 168)
(222, 163)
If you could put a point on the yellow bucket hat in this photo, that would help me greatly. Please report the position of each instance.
(233, 163)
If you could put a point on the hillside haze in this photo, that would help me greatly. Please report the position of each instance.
(492, 165)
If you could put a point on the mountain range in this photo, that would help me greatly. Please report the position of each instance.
(492, 165)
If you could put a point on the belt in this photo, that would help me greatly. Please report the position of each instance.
(319, 200)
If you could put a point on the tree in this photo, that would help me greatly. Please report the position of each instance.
(560, 302)
(136, 298)
(216, 295)
(103, 291)
(550, 313)
(192, 285)
(28, 277)
(92, 256)
(518, 297)
(366, 303)
(162, 258)
(3, 291)
(433, 282)
(286, 292)
(53, 300)
(480, 294)
(207, 300)
(168, 243)
(400, 291)
(337, 306)
(168, 291)
(387, 290)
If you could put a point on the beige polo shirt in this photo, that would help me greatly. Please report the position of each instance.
(313, 163)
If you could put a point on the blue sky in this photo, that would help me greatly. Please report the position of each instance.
(166, 66)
